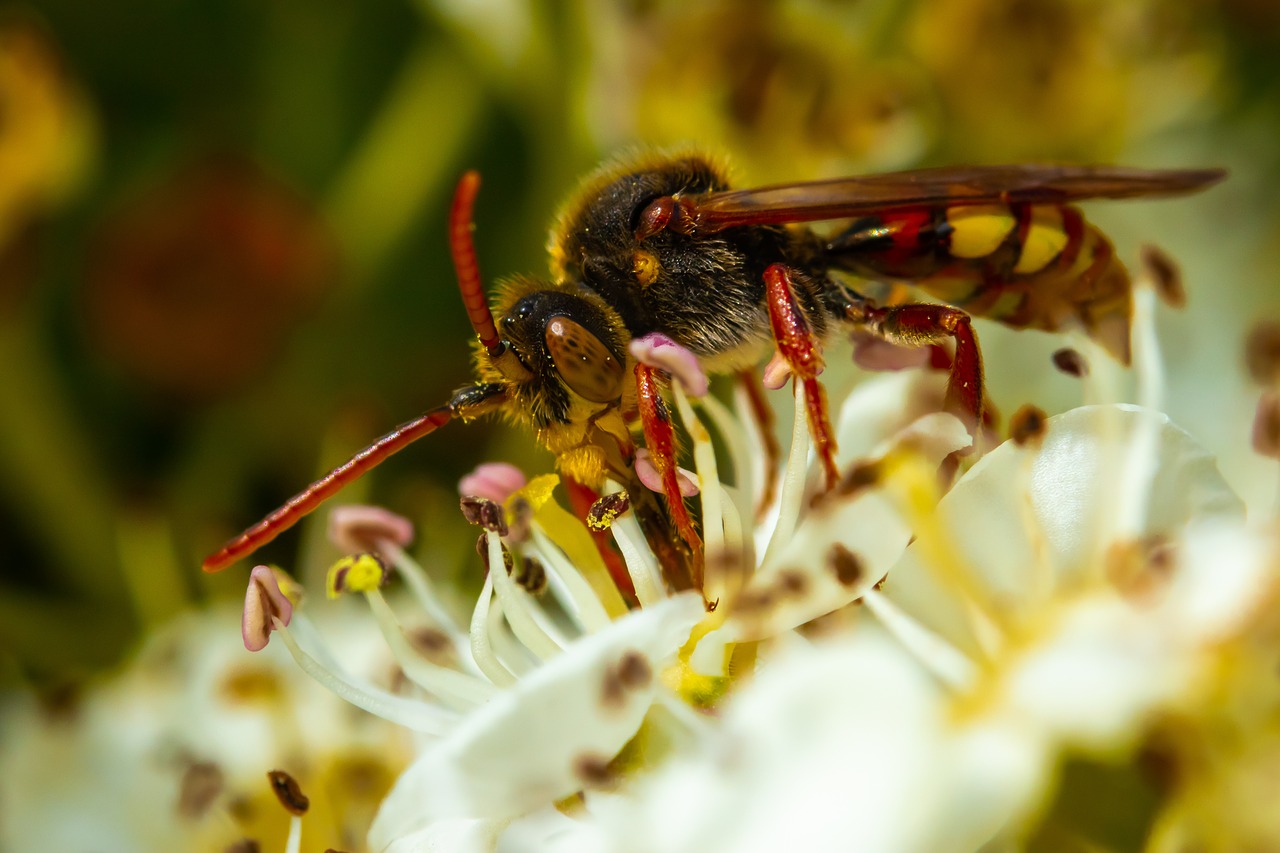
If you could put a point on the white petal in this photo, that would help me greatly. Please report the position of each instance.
(882, 405)
(812, 574)
(845, 746)
(452, 835)
(549, 831)
(1093, 681)
(519, 751)
(1225, 573)
(1030, 521)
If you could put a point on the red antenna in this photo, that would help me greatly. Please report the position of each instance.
(469, 284)
(464, 262)
(468, 402)
(326, 487)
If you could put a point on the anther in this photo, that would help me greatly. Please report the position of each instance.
(482, 548)
(356, 528)
(264, 603)
(1165, 276)
(532, 575)
(202, 782)
(495, 481)
(1071, 362)
(1262, 353)
(658, 351)
(1266, 425)
(607, 509)
(484, 513)
(1027, 426)
(356, 573)
(287, 791)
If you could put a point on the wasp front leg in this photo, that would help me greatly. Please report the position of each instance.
(660, 440)
(801, 349)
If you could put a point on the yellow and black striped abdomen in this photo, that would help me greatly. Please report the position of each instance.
(1038, 266)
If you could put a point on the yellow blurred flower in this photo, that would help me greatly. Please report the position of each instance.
(47, 132)
(1045, 79)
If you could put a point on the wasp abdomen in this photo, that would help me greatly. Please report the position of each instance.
(1002, 241)
(1038, 266)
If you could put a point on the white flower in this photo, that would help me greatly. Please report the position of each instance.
(1075, 589)
(544, 738)
(171, 753)
(1024, 629)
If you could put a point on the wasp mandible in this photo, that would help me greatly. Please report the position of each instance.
(663, 244)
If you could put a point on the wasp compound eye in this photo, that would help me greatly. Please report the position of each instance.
(583, 361)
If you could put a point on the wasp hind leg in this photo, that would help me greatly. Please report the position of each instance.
(922, 325)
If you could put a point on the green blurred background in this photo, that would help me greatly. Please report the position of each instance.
(222, 255)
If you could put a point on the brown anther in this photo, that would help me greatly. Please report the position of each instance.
(1262, 353)
(631, 672)
(634, 671)
(484, 513)
(482, 548)
(521, 518)
(432, 643)
(201, 784)
(1139, 568)
(845, 565)
(1266, 425)
(242, 809)
(793, 582)
(532, 576)
(607, 509)
(244, 845)
(286, 789)
(862, 475)
(1165, 276)
(592, 770)
(612, 693)
(725, 562)
(1071, 362)
(754, 601)
(246, 684)
(1027, 426)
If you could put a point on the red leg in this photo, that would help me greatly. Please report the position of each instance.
(763, 414)
(927, 325)
(660, 439)
(802, 351)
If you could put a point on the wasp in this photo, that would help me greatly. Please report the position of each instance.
(663, 244)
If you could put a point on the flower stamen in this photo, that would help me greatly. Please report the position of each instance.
(793, 481)
(264, 606)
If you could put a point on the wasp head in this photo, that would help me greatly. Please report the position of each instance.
(570, 344)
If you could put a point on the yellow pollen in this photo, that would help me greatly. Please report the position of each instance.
(356, 573)
(646, 267)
